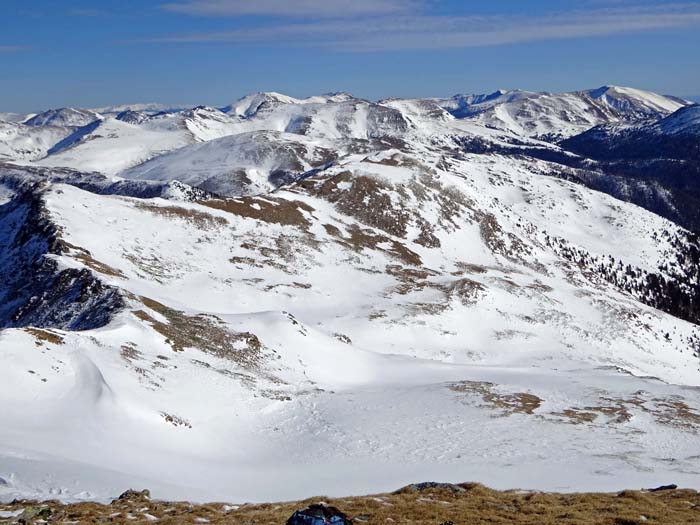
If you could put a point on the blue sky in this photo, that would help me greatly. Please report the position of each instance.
(92, 53)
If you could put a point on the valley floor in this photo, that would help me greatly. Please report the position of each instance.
(470, 503)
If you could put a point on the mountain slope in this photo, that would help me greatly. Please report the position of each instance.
(662, 157)
(26, 143)
(221, 301)
(676, 136)
(237, 303)
(113, 145)
(118, 143)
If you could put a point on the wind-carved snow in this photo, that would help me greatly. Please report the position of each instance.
(335, 296)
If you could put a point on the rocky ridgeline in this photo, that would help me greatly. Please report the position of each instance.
(34, 289)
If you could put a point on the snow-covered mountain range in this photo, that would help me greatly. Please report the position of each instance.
(284, 296)
(559, 115)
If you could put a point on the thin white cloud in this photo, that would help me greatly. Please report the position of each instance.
(414, 32)
(12, 49)
(91, 13)
(291, 8)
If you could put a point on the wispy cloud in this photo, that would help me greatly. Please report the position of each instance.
(417, 31)
(13, 49)
(292, 8)
(91, 13)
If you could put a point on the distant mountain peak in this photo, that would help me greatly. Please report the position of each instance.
(685, 120)
(66, 117)
(636, 101)
(145, 107)
(249, 105)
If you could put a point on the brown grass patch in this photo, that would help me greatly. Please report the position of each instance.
(436, 504)
(129, 352)
(505, 243)
(676, 412)
(377, 314)
(199, 218)
(284, 252)
(470, 268)
(539, 286)
(411, 280)
(672, 411)
(86, 258)
(392, 207)
(293, 284)
(151, 266)
(510, 403)
(175, 421)
(368, 200)
(577, 416)
(359, 239)
(269, 209)
(208, 334)
(466, 290)
(45, 336)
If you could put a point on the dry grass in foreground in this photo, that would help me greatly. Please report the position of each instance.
(430, 504)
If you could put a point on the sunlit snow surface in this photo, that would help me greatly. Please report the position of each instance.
(439, 339)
